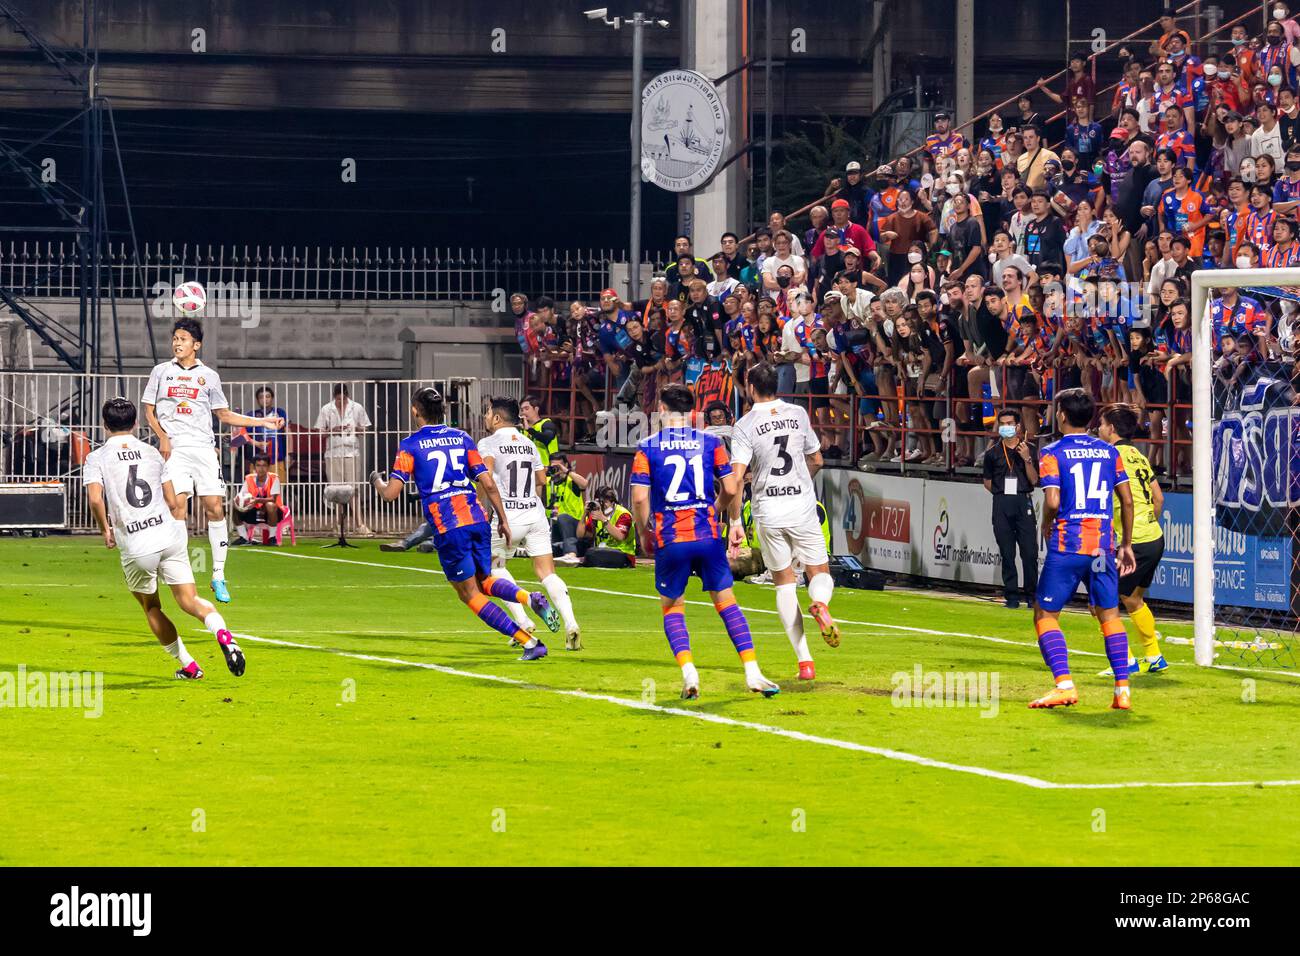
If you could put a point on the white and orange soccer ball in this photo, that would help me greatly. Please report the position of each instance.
(190, 298)
(243, 500)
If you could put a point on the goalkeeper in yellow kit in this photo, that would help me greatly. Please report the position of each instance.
(1119, 424)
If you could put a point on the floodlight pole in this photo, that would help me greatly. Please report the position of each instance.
(634, 240)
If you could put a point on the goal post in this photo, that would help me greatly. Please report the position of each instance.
(1243, 467)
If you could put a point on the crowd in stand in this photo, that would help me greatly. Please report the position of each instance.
(986, 271)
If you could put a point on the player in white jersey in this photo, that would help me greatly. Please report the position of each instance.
(775, 445)
(129, 483)
(517, 469)
(179, 401)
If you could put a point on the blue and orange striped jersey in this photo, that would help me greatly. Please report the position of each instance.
(941, 146)
(1178, 213)
(1245, 316)
(444, 462)
(680, 467)
(1279, 257)
(1087, 471)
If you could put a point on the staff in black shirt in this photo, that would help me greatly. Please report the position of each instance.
(1010, 475)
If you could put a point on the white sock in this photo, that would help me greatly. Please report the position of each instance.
(214, 622)
(177, 650)
(531, 642)
(558, 592)
(516, 611)
(787, 607)
(752, 672)
(689, 674)
(821, 588)
(217, 535)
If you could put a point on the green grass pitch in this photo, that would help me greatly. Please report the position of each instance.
(371, 734)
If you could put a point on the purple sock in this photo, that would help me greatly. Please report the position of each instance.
(1116, 648)
(737, 627)
(505, 590)
(495, 617)
(679, 639)
(1052, 644)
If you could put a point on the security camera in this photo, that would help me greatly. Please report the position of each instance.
(662, 23)
(598, 14)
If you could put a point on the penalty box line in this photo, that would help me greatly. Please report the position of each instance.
(1036, 783)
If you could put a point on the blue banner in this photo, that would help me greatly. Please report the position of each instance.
(1249, 570)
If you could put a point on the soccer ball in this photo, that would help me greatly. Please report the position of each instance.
(190, 298)
(243, 501)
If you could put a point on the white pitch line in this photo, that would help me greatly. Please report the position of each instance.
(752, 610)
(1036, 783)
(655, 597)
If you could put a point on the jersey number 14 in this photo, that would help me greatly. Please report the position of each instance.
(1091, 488)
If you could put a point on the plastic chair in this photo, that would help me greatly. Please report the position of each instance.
(277, 531)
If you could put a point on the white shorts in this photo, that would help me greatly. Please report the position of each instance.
(781, 547)
(196, 471)
(171, 564)
(535, 536)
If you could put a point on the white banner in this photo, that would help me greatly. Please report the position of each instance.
(876, 518)
(933, 529)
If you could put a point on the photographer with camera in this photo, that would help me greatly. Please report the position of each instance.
(564, 488)
(612, 533)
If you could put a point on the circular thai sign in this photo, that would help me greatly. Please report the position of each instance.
(683, 130)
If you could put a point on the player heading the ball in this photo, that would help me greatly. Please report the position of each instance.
(446, 467)
(179, 401)
(673, 502)
(130, 481)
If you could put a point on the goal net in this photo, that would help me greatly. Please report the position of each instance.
(1245, 444)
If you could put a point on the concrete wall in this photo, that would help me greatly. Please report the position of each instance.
(292, 340)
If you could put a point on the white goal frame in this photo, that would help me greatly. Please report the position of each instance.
(1203, 510)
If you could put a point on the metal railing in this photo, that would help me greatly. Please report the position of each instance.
(49, 423)
(902, 427)
(51, 268)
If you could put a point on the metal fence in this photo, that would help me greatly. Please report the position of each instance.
(49, 422)
(50, 268)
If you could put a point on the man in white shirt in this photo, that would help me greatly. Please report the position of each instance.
(130, 481)
(783, 256)
(1268, 137)
(179, 401)
(775, 444)
(342, 420)
(517, 469)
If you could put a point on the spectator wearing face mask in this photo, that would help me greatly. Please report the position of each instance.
(901, 229)
(1010, 474)
(1279, 56)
